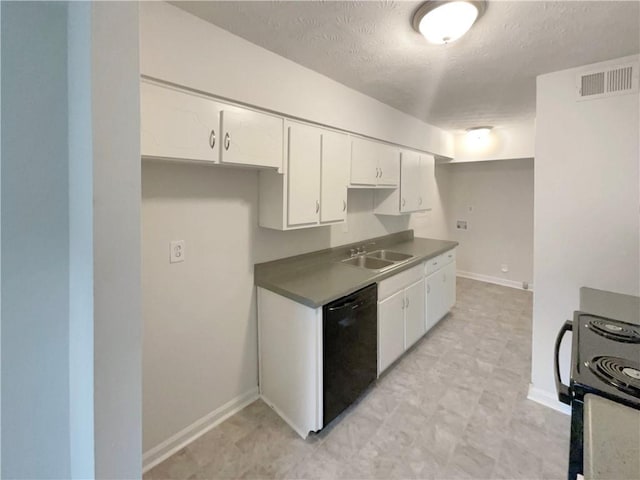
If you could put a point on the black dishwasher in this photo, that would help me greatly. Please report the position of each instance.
(350, 349)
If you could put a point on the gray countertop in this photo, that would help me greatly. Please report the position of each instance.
(617, 306)
(611, 440)
(317, 278)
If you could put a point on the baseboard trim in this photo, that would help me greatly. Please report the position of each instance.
(547, 399)
(164, 450)
(495, 280)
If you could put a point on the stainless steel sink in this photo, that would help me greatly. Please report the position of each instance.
(389, 255)
(369, 263)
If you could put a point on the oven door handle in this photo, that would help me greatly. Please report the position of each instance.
(563, 391)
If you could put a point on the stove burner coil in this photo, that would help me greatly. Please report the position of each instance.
(614, 330)
(619, 372)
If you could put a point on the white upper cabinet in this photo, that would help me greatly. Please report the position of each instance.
(312, 191)
(303, 174)
(177, 124)
(389, 164)
(417, 186)
(428, 188)
(410, 181)
(336, 150)
(250, 138)
(374, 164)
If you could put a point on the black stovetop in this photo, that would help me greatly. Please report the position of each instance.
(608, 359)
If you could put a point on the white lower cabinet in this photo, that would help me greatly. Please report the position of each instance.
(390, 330)
(414, 313)
(401, 314)
(440, 287)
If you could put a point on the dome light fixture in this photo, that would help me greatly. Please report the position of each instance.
(444, 22)
(478, 133)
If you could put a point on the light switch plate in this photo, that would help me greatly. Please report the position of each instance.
(176, 251)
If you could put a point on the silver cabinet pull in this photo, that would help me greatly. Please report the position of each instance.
(450, 256)
(420, 201)
(212, 139)
(381, 173)
(227, 141)
(428, 288)
(377, 172)
(407, 303)
(317, 206)
(403, 202)
(344, 205)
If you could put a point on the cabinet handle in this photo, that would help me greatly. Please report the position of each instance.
(212, 139)
(377, 172)
(227, 141)
(407, 303)
(317, 206)
(428, 288)
(420, 201)
(381, 172)
(403, 202)
(344, 205)
(403, 304)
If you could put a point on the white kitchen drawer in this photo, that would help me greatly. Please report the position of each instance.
(448, 257)
(393, 284)
(436, 263)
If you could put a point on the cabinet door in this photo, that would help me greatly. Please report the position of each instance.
(389, 165)
(303, 174)
(176, 124)
(364, 163)
(334, 177)
(409, 181)
(449, 280)
(435, 291)
(414, 313)
(427, 188)
(250, 138)
(390, 330)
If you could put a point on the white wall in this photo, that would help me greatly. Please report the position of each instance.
(200, 346)
(80, 241)
(35, 236)
(505, 142)
(116, 240)
(181, 48)
(586, 207)
(500, 220)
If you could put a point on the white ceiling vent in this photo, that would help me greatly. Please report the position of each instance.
(618, 80)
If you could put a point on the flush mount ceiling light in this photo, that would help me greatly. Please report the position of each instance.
(478, 133)
(446, 21)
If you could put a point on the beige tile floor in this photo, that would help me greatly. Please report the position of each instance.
(454, 407)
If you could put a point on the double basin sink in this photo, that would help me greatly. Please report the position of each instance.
(378, 260)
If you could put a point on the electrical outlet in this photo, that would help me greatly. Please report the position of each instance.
(461, 225)
(504, 267)
(176, 251)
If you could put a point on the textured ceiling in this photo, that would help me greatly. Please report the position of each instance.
(486, 77)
